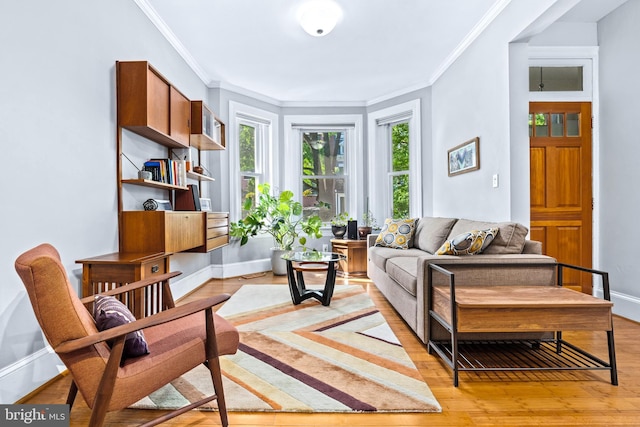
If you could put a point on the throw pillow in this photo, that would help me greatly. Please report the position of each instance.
(469, 243)
(108, 313)
(397, 233)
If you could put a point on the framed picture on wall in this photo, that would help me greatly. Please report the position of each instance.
(464, 157)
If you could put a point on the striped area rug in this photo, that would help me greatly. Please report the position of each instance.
(307, 358)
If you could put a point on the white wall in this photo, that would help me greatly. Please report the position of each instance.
(472, 98)
(58, 139)
(618, 35)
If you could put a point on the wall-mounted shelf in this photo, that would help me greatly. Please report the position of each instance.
(207, 130)
(153, 184)
(149, 105)
(199, 176)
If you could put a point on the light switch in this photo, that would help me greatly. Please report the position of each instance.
(495, 181)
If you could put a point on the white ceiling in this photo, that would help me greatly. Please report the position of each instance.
(379, 48)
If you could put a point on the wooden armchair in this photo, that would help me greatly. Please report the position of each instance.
(178, 339)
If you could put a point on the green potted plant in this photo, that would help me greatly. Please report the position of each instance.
(281, 217)
(339, 224)
(368, 222)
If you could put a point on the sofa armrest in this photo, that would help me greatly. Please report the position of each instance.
(371, 239)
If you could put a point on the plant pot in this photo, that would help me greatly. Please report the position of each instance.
(364, 231)
(338, 231)
(278, 265)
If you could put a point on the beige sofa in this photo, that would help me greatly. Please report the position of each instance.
(401, 274)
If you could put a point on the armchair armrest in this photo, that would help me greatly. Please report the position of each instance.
(134, 285)
(153, 320)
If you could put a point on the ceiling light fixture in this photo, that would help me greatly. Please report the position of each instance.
(319, 17)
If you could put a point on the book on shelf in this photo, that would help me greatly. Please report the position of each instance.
(167, 171)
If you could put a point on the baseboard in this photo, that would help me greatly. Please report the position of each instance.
(243, 268)
(623, 305)
(29, 373)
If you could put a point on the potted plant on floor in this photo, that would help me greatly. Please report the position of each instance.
(281, 217)
(339, 224)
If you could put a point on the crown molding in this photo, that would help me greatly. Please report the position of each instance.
(164, 29)
(173, 40)
(475, 32)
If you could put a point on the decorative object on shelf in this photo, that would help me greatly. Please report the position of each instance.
(157, 205)
(339, 224)
(198, 169)
(205, 204)
(464, 157)
(281, 217)
(142, 174)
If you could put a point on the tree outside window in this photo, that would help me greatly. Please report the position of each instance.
(400, 170)
(323, 173)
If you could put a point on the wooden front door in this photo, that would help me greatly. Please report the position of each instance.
(561, 196)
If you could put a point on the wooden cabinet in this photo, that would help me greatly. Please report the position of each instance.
(161, 231)
(110, 271)
(151, 106)
(215, 231)
(207, 130)
(355, 251)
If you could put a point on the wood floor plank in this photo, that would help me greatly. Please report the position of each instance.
(566, 398)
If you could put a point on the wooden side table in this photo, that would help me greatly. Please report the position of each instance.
(355, 252)
(106, 272)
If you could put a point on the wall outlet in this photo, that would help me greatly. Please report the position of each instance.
(495, 181)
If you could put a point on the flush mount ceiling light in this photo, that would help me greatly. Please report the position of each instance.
(319, 17)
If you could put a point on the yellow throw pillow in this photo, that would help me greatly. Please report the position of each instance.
(397, 233)
(469, 243)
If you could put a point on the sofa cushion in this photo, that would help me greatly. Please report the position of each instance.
(431, 233)
(470, 243)
(380, 255)
(510, 239)
(404, 270)
(397, 233)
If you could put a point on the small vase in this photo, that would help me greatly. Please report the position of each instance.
(338, 231)
(363, 232)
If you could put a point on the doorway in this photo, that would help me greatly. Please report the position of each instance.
(561, 184)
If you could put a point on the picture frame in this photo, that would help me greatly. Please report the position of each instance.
(205, 205)
(464, 158)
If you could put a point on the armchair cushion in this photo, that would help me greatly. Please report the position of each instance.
(108, 313)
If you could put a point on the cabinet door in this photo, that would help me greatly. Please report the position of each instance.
(180, 129)
(157, 102)
(183, 230)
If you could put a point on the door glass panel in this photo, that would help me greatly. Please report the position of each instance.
(542, 124)
(557, 124)
(530, 124)
(573, 124)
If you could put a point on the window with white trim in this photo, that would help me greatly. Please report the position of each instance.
(395, 161)
(251, 153)
(322, 166)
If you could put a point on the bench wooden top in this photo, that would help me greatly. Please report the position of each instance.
(520, 297)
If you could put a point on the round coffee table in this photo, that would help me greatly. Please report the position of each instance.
(299, 262)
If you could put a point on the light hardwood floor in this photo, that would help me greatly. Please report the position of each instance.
(559, 398)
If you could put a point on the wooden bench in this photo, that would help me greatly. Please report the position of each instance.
(486, 308)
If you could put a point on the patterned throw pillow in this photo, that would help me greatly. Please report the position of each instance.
(470, 243)
(397, 233)
(108, 313)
